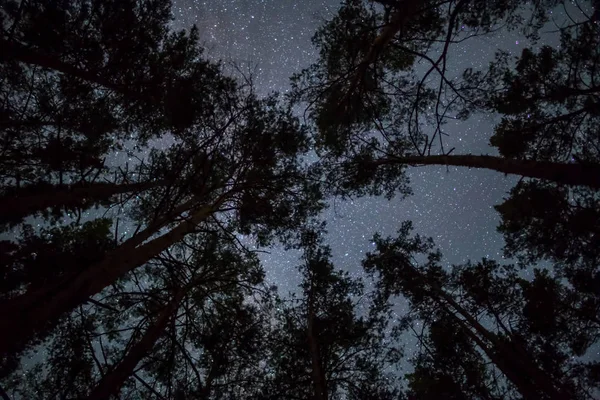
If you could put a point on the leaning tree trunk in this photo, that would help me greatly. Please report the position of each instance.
(27, 202)
(112, 382)
(36, 311)
(517, 367)
(12, 50)
(527, 389)
(568, 174)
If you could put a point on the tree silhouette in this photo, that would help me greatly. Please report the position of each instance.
(97, 78)
(234, 163)
(156, 293)
(190, 333)
(242, 175)
(375, 111)
(22, 202)
(531, 331)
(331, 339)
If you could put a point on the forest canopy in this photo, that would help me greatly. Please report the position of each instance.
(142, 279)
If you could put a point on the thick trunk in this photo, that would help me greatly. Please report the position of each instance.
(318, 375)
(111, 383)
(568, 174)
(523, 361)
(22, 205)
(32, 297)
(37, 310)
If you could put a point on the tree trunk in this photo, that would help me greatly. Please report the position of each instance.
(318, 375)
(35, 311)
(17, 206)
(523, 385)
(568, 174)
(16, 51)
(516, 366)
(32, 297)
(111, 383)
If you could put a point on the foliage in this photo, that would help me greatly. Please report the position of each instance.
(334, 329)
(162, 297)
(488, 332)
(368, 97)
(550, 103)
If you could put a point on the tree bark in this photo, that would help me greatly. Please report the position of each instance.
(523, 385)
(34, 311)
(18, 206)
(568, 174)
(111, 383)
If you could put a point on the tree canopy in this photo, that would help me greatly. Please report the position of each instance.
(140, 178)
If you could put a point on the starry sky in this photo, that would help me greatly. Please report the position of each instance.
(452, 205)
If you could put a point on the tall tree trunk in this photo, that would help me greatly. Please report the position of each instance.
(35, 311)
(318, 375)
(515, 365)
(32, 297)
(111, 383)
(12, 50)
(26, 202)
(568, 174)
(523, 385)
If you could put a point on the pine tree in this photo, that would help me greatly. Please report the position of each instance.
(375, 113)
(190, 333)
(234, 163)
(530, 331)
(332, 339)
(82, 80)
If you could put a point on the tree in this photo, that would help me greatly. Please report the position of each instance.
(549, 100)
(372, 127)
(530, 331)
(48, 255)
(111, 382)
(372, 106)
(550, 107)
(269, 183)
(41, 257)
(561, 173)
(123, 48)
(235, 166)
(198, 340)
(22, 202)
(448, 365)
(552, 223)
(97, 78)
(332, 339)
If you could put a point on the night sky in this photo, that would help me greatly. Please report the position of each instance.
(452, 205)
